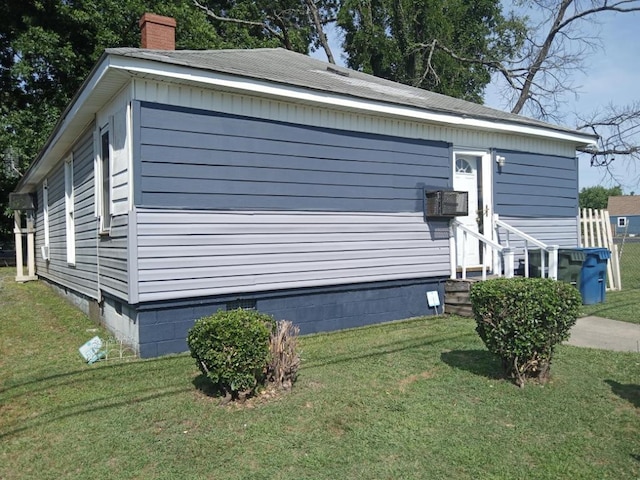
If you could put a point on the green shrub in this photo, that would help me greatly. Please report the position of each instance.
(232, 349)
(522, 320)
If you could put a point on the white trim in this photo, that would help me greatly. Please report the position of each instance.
(192, 75)
(486, 181)
(622, 222)
(129, 148)
(69, 202)
(45, 213)
(104, 227)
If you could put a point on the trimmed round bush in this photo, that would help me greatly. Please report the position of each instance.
(232, 349)
(521, 320)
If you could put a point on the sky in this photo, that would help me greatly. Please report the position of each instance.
(612, 76)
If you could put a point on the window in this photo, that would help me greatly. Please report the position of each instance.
(69, 209)
(463, 166)
(45, 219)
(622, 222)
(105, 182)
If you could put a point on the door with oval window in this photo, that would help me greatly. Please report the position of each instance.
(472, 174)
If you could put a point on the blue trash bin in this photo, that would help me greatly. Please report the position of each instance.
(593, 276)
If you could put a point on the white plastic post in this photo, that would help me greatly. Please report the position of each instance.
(497, 270)
(553, 261)
(509, 262)
(31, 255)
(464, 254)
(17, 230)
(453, 254)
(484, 260)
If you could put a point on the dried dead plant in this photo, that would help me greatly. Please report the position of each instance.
(285, 360)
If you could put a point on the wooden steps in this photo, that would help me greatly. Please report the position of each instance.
(456, 296)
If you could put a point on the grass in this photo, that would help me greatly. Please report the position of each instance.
(414, 399)
(622, 305)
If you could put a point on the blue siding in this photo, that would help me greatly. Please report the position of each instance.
(197, 253)
(163, 327)
(81, 276)
(633, 222)
(114, 258)
(532, 185)
(205, 160)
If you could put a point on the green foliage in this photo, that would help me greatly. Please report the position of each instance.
(392, 39)
(522, 320)
(48, 48)
(597, 197)
(232, 349)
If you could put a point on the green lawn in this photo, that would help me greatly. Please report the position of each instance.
(630, 266)
(414, 399)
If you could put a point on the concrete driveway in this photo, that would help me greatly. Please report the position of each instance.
(606, 334)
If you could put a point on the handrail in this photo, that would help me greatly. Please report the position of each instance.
(552, 250)
(487, 242)
(479, 236)
(520, 233)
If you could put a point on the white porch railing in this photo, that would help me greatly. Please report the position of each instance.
(550, 250)
(502, 253)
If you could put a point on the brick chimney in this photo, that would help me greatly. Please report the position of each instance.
(158, 32)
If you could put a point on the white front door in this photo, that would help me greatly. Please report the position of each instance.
(472, 174)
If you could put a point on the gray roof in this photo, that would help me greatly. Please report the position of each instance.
(289, 68)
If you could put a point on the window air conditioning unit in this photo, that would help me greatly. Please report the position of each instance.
(44, 251)
(446, 203)
(21, 201)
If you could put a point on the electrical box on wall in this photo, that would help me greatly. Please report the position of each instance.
(446, 203)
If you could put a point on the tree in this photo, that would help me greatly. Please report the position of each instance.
(618, 129)
(48, 47)
(292, 24)
(556, 46)
(597, 197)
(422, 43)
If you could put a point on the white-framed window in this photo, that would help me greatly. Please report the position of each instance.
(45, 219)
(622, 222)
(69, 206)
(104, 180)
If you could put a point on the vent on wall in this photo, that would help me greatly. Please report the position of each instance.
(443, 203)
(246, 304)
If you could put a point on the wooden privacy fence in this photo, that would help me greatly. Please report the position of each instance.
(595, 231)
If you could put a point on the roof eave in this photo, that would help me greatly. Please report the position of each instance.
(75, 119)
(233, 82)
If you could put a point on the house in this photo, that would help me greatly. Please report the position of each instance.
(177, 183)
(624, 211)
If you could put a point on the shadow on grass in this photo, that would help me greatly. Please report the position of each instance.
(385, 349)
(100, 370)
(478, 362)
(629, 392)
(94, 406)
(207, 387)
